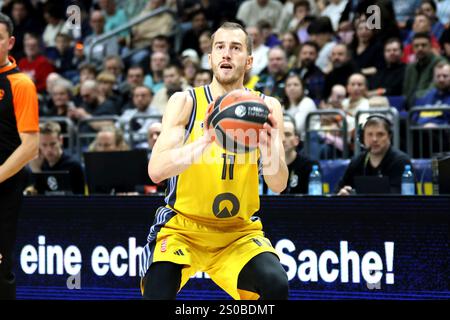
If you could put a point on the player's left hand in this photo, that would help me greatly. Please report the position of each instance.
(269, 130)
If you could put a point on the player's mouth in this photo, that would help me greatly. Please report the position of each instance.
(226, 66)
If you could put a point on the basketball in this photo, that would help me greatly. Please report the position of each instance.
(237, 117)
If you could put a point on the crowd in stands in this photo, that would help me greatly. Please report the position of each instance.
(312, 55)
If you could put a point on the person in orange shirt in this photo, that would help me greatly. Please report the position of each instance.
(19, 138)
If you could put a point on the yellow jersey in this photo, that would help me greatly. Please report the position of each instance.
(221, 185)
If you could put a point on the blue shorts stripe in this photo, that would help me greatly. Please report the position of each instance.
(162, 216)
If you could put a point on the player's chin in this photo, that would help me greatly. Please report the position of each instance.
(227, 79)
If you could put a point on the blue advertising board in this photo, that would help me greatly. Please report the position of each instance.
(331, 247)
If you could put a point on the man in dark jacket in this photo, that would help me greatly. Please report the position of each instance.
(380, 158)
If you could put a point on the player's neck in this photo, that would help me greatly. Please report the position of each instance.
(218, 89)
(5, 63)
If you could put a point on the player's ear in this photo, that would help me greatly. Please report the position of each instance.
(249, 63)
(11, 42)
(209, 61)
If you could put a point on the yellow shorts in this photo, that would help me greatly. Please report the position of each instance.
(221, 250)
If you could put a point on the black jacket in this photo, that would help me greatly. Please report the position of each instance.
(392, 166)
(67, 163)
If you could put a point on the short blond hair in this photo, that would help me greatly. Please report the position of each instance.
(50, 127)
(235, 26)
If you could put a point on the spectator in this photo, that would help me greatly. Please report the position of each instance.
(142, 102)
(342, 68)
(109, 138)
(204, 42)
(86, 71)
(439, 96)
(135, 77)
(422, 24)
(62, 56)
(154, 130)
(338, 94)
(252, 11)
(296, 104)
(144, 32)
(107, 89)
(54, 16)
(301, 20)
(114, 17)
(443, 11)
(132, 9)
(270, 39)
(217, 12)
(260, 51)
(367, 51)
(272, 78)
(388, 81)
(61, 95)
(20, 16)
(311, 75)
(203, 77)
(445, 44)
(45, 102)
(357, 99)
(334, 11)
(404, 10)
(329, 143)
(299, 166)
(429, 8)
(286, 16)
(161, 43)
(379, 102)
(321, 32)
(173, 82)
(52, 157)
(98, 52)
(419, 75)
(35, 64)
(291, 45)
(191, 63)
(154, 80)
(93, 104)
(191, 36)
(379, 158)
(385, 16)
(114, 64)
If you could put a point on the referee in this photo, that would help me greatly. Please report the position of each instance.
(19, 143)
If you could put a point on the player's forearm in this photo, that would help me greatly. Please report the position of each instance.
(18, 159)
(276, 175)
(172, 162)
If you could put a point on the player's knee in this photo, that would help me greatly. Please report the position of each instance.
(275, 286)
(162, 281)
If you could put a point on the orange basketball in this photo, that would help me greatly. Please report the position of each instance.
(237, 117)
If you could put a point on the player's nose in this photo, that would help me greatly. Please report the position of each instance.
(226, 53)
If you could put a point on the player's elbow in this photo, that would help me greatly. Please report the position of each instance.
(154, 172)
(154, 175)
(33, 151)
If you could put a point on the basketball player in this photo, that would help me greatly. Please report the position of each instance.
(207, 223)
(19, 126)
